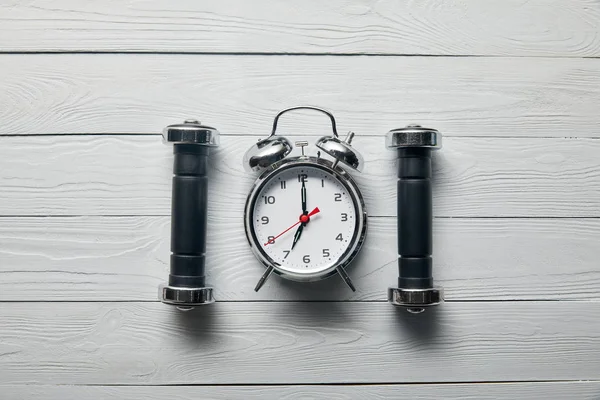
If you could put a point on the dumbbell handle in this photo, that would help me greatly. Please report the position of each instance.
(188, 215)
(414, 218)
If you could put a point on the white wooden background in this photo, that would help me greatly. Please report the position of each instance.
(86, 87)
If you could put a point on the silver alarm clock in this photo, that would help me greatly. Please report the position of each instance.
(305, 217)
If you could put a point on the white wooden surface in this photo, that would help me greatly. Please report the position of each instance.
(126, 258)
(441, 27)
(460, 96)
(495, 391)
(283, 342)
(130, 175)
(85, 198)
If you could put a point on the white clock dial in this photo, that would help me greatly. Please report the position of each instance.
(324, 239)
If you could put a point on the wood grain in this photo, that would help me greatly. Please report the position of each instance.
(460, 96)
(126, 258)
(131, 175)
(84, 219)
(481, 391)
(462, 27)
(267, 343)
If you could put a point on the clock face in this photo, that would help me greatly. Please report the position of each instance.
(305, 242)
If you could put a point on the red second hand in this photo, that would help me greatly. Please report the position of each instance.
(310, 214)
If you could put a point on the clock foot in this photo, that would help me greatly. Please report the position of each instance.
(346, 278)
(263, 279)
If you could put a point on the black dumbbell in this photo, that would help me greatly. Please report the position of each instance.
(191, 147)
(414, 145)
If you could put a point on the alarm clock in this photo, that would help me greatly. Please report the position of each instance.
(305, 218)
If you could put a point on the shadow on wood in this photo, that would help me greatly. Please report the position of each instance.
(424, 327)
(196, 325)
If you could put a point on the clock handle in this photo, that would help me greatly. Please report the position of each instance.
(329, 114)
(415, 289)
(186, 287)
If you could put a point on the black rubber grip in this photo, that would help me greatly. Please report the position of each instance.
(188, 215)
(414, 218)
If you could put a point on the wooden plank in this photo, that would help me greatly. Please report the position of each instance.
(131, 175)
(293, 343)
(126, 258)
(462, 27)
(481, 391)
(116, 93)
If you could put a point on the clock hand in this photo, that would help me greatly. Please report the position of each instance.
(303, 218)
(303, 193)
(298, 234)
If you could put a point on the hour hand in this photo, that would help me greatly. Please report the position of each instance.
(297, 235)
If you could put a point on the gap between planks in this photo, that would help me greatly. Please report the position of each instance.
(509, 382)
(285, 54)
(307, 301)
(542, 217)
(141, 134)
(509, 390)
